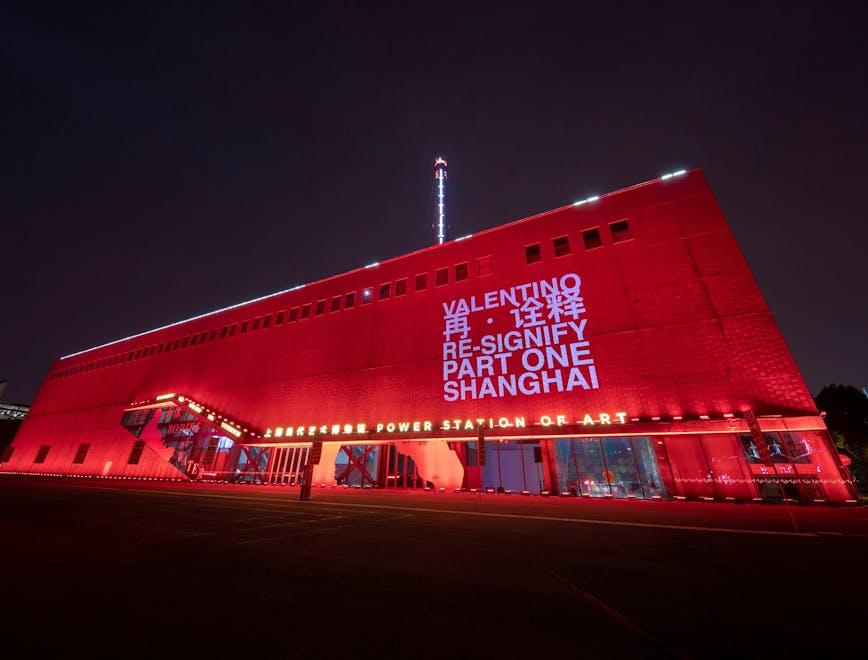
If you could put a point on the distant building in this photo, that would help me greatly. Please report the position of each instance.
(11, 416)
(618, 347)
(13, 411)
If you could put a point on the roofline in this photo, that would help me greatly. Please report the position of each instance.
(389, 260)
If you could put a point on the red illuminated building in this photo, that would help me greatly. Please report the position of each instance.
(617, 347)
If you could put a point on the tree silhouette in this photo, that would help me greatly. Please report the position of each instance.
(846, 411)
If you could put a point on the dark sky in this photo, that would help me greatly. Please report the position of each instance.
(161, 161)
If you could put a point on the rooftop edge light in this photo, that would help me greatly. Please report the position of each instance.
(373, 265)
(593, 198)
(672, 174)
(192, 318)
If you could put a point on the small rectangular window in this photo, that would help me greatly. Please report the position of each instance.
(212, 336)
(592, 239)
(461, 272)
(224, 331)
(81, 454)
(305, 311)
(320, 307)
(561, 246)
(441, 276)
(367, 295)
(293, 314)
(244, 327)
(42, 454)
(532, 253)
(203, 336)
(278, 320)
(421, 281)
(401, 287)
(256, 324)
(136, 452)
(384, 290)
(349, 299)
(620, 231)
(175, 345)
(336, 304)
(266, 321)
(232, 329)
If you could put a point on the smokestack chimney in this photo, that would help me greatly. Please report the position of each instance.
(440, 201)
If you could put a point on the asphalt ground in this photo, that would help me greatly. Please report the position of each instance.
(136, 569)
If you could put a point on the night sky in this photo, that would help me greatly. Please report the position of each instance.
(162, 161)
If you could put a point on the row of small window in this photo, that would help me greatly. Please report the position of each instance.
(442, 276)
(80, 454)
(591, 239)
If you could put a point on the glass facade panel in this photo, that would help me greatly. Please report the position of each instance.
(649, 470)
(356, 465)
(798, 447)
(776, 448)
(751, 453)
(512, 466)
(581, 467)
(623, 470)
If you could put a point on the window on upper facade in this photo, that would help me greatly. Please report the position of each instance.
(384, 290)
(561, 246)
(532, 253)
(620, 231)
(401, 287)
(441, 276)
(461, 272)
(421, 281)
(591, 238)
(349, 299)
(336, 304)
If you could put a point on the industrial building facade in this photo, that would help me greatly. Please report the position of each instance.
(617, 348)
